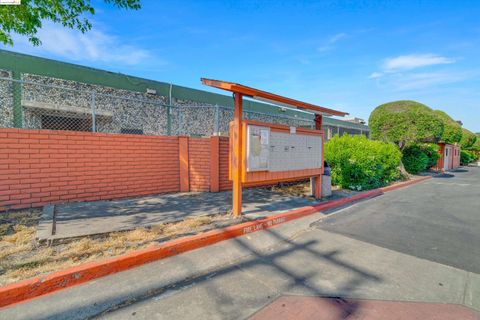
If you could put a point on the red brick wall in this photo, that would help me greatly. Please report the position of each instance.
(42, 166)
(39, 167)
(224, 155)
(199, 163)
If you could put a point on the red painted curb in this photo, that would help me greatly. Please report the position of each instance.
(35, 287)
(403, 184)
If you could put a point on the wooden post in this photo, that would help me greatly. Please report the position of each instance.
(237, 160)
(318, 187)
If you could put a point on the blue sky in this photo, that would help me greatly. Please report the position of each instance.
(347, 55)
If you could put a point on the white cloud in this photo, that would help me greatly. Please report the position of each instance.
(413, 61)
(93, 46)
(337, 37)
(375, 75)
(329, 44)
(415, 81)
(399, 73)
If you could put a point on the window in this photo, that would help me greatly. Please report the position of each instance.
(66, 123)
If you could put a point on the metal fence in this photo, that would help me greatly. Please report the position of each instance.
(82, 107)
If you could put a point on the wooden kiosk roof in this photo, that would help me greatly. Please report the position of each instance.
(270, 97)
(237, 145)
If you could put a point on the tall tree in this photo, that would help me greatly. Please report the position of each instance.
(26, 18)
(405, 122)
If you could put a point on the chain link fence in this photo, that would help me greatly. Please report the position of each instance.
(79, 107)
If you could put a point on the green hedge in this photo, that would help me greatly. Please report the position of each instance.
(467, 157)
(420, 157)
(359, 163)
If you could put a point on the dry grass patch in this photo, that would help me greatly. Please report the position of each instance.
(302, 189)
(10, 220)
(184, 226)
(295, 189)
(22, 257)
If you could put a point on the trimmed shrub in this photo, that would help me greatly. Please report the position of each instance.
(420, 157)
(359, 163)
(432, 152)
(415, 159)
(404, 122)
(452, 132)
(476, 145)
(467, 157)
(468, 139)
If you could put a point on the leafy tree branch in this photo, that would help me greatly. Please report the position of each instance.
(27, 18)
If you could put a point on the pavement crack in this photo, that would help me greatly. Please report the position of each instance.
(465, 288)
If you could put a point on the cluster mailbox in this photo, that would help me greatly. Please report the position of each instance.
(275, 150)
(275, 153)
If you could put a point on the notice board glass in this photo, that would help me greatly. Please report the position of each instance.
(258, 150)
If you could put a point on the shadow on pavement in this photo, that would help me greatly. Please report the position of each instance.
(97, 217)
(294, 277)
(444, 175)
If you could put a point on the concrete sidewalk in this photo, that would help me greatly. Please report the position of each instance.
(235, 279)
(89, 218)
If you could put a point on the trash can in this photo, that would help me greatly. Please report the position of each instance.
(326, 180)
(327, 171)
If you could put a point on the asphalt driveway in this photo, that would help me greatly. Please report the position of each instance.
(438, 220)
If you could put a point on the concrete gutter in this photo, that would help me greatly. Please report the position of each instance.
(42, 285)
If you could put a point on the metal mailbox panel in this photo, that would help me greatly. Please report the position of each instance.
(279, 151)
(295, 151)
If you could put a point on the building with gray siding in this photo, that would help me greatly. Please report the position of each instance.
(40, 93)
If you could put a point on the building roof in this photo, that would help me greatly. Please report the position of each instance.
(21, 63)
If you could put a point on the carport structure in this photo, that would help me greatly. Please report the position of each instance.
(237, 134)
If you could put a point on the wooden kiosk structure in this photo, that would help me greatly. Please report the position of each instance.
(264, 153)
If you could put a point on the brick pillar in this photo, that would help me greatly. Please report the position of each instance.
(184, 164)
(214, 164)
